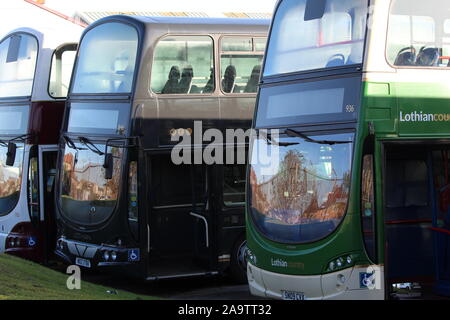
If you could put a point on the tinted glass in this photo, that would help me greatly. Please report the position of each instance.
(183, 65)
(86, 196)
(14, 120)
(240, 64)
(107, 60)
(61, 72)
(419, 33)
(10, 179)
(309, 102)
(368, 206)
(101, 118)
(234, 185)
(302, 39)
(303, 196)
(18, 56)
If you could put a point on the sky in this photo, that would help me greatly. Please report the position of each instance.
(68, 7)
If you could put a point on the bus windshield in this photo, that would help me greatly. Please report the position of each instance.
(316, 34)
(302, 195)
(18, 56)
(87, 198)
(107, 60)
(10, 179)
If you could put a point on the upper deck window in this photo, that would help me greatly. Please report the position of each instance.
(107, 60)
(315, 34)
(183, 65)
(18, 56)
(61, 72)
(419, 34)
(240, 63)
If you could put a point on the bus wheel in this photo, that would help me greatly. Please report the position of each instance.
(238, 265)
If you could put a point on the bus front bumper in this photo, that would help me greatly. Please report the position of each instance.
(91, 256)
(347, 284)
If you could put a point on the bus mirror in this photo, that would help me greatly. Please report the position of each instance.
(11, 154)
(315, 9)
(108, 165)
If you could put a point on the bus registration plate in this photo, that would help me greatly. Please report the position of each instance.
(292, 295)
(83, 262)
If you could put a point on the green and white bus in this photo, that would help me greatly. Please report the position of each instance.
(354, 104)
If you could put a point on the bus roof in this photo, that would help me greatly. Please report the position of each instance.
(186, 24)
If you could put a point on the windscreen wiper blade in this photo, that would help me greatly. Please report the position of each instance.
(18, 138)
(295, 133)
(71, 144)
(91, 146)
(272, 141)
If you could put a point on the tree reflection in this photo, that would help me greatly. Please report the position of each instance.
(84, 176)
(300, 192)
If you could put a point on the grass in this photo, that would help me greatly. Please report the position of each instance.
(25, 280)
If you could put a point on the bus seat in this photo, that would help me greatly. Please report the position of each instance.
(184, 86)
(252, 84)
(336, 61)
(406, 57)
(172, 83)
(428, 57)
(209, 87)
(229, 79)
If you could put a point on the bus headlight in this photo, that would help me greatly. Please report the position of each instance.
(106, 255)
(343, 262)
(113, 256)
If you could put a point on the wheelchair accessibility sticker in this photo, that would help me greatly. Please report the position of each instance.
(367, 280)
(133, 255)
(32, 241)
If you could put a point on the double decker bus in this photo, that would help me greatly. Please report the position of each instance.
(122, 200)
(353, 109)
(35, 71)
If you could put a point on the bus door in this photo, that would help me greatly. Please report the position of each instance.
(178, 220)
(441, 218)
(230, 219)
(408, 213)
(46, 171)
(40, 190)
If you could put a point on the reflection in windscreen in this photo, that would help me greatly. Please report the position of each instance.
(86, 196)
(304, 196)
(10, 180)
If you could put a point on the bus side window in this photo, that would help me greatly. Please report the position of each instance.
(368, 215)
(183, 65)
(234, 185)
(240, 63)
(61, 72)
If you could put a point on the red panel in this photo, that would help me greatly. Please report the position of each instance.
(21, 235)
(45, 122)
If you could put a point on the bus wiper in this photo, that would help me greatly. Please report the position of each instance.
(90, 146)
(270, 140)
(71, 144)
(295, 133)
(18, 138)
